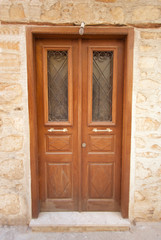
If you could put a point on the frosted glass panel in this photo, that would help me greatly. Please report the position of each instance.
(102, 86)
(57, 85)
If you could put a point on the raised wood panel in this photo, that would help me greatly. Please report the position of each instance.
(101, 143)
(100, 181)
(59, 184)
(58, 143)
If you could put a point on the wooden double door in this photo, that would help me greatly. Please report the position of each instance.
(79, 117)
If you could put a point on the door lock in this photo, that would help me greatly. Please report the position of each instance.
(83, 145)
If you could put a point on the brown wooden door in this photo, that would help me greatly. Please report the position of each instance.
(102, 62)
(79, 112)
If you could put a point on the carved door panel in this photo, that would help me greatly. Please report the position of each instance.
(102, 124)
(66, 183)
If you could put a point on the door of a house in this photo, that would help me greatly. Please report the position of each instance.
(79, 115)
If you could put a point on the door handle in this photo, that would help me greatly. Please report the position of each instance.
(58, 130)
(102, 130)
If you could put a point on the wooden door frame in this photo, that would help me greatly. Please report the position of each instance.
(127, 34)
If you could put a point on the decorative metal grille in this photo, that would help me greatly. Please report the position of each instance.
(57, 85)
(102, 85)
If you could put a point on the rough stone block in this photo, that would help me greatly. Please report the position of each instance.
(142, 172)
(156, 147)
(81, 12)
(53, 13)
(145, 48)
(7, 77)
(148, 84)
(12, 169)
(147, 155)
(117, 14)
(147, 63)
(141, 98)
(11, 143)
(16, 12)
(139, 142)
(9, 30)
(146, 13)
(10, 93)
(9, 204)
(139, 196)
(10, 45)
(150, 35)
(10, 61)
(147, 124)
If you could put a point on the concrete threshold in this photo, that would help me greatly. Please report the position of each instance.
(79, 222)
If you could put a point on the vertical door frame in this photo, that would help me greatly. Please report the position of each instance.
(127, 34)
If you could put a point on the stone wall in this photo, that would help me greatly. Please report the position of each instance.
(14, 127)
(146, 149)
(145, 16)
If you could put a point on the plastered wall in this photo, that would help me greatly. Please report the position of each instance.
(145, 17)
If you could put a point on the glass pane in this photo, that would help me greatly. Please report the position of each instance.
(57, 85)
(102, 86)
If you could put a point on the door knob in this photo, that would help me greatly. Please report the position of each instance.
(83, 145)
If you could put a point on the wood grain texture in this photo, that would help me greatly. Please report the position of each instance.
(100, 142)
(127, 117)
(59, 181)
(33, 123)
(100, 181)
(58, 143)
(58, 163)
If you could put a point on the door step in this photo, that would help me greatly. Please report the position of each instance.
(79, 222)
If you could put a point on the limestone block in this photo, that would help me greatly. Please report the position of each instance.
(11, 143)
(9, 204)
(139, 196)
(117, 14)
(150, 35)
(16, 12)
(12, 169)
(147, 155)
(148, 84)
(81, 12)
(142, 172)
(147, 124)
(4, 12)
(154, 136)
(10, 93)
(14, 123)
(9, 30)
(156, 147)
(100, 14)
(7, 77)
(34, 13)
(53, 13)
(141, 110)
(146, 13)
(145, 48)
(141, 98)
(143, 210)
(147, 63)
(9, 45)
(10, 61)
(139, 142)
